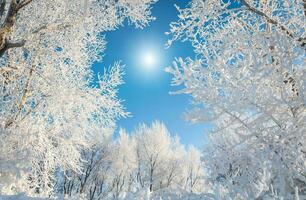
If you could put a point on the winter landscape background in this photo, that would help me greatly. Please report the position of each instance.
(152, 100)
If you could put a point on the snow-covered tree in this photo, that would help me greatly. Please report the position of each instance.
(94, 178)
(124, 162)
(193, 171)
(248, 78)
(164, 167)
(49, 109)
(132, 164)
(153, 149)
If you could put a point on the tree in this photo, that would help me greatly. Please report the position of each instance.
(148, 161)
(49, 105)
(249, 79)
(165, 167)
(94, 179)
(124, 163)
(194, 171)
(153, 149)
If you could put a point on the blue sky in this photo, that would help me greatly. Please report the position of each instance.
(146, 89)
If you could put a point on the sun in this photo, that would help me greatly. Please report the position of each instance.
(149, 60)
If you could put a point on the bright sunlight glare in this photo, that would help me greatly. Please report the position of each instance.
(149, 60)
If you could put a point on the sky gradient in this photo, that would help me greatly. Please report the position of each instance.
(146, 89)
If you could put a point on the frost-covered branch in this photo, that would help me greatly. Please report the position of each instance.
(51, 108)
(248, 78)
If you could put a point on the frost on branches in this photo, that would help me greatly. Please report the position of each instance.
(49, 110)
(146, 164)
(249, 78)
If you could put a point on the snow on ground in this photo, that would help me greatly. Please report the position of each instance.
(18, 197)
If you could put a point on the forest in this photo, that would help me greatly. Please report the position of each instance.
(58, 124)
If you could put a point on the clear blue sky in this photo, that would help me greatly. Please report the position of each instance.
(146, 91)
